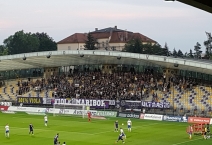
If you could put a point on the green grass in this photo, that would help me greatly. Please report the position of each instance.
(77, 131)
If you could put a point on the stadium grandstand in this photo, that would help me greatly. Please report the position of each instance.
(110, 75)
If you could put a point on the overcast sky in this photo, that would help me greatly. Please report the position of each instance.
(178, 24)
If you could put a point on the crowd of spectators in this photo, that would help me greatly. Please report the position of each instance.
(97, 85)
(23, 87)
(118, 85)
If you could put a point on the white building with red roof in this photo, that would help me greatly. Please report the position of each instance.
(110, 38)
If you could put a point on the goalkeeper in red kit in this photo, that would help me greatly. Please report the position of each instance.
(89, 116)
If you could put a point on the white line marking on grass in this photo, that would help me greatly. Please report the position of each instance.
(187, 141)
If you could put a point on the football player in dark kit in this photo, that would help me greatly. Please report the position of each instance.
(31, 129)
(116, 125)
(121, 137)
(56, 139)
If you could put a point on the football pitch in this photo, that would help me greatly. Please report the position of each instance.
(78, 131)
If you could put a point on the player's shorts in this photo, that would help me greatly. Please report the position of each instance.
(205, 133)
(117, 126)
(7, 131)
(129, 126)
(46, 121)
(120, 138)
(31, 130)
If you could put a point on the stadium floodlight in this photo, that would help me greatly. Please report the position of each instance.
(68, 109)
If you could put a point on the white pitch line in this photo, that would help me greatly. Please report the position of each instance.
(187, 141)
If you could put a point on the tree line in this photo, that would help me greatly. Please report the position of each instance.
(22, 42)
(136, 46)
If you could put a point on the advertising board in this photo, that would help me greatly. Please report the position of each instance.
(38, 110)
(199, 120)
(5, 103)
(174, 118)
(4, 108)
(106, 113)
(153, 117)
(128, 115)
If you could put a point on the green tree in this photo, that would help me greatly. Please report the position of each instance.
(3, 50)
(190, 54)
(21, 42)
(166, 51)
(197, 49)
(90, 43)
(134, 46)
(174, 53)
(46, 43)
(155, 49)
(208, 45)
(180, 53)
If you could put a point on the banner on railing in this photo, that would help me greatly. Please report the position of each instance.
(93, 103)
(30, 100)
(47, 100)
(140, 104)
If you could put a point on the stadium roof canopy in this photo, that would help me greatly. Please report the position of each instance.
(205, 5)
(88, 57)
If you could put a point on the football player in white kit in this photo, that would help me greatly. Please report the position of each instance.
(45, 120)
(7, 131)
(129, 125)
